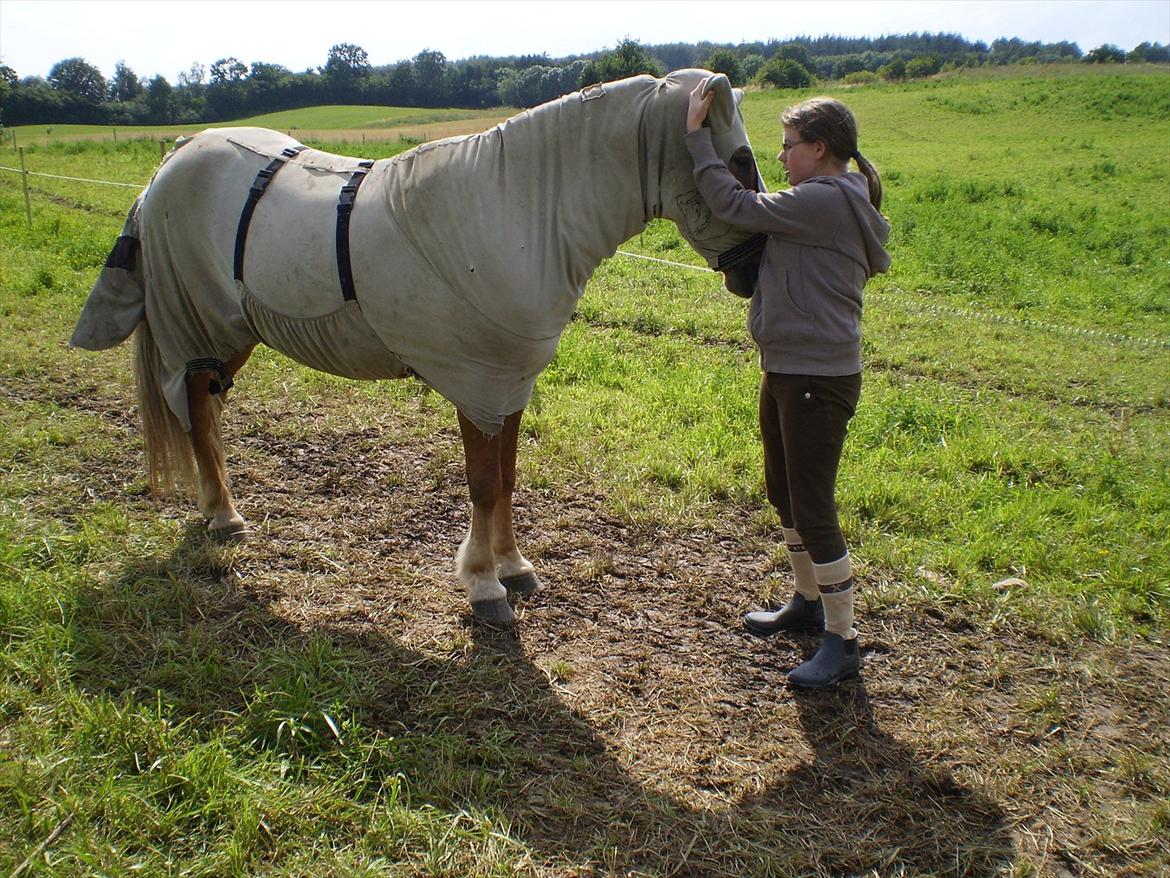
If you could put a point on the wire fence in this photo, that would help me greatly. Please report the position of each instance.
(76, 179)
(907, 300)
(897, 296)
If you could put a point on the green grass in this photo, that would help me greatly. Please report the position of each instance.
(323, 118)
(331, 118)
(163, 712)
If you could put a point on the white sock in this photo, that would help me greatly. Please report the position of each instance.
(838, 600)
(802, 565)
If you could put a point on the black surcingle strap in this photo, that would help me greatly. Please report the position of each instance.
(737, 254)
(258, 186)
(344, 208)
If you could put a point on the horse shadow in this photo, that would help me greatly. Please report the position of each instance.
(482, 729)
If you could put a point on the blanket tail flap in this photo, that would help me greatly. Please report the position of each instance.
(117, 301)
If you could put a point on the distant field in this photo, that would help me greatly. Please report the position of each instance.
(318, 701)
(326, 122)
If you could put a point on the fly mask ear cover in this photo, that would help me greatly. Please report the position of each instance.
(726, 135)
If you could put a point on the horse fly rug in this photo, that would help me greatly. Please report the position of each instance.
(459, 262)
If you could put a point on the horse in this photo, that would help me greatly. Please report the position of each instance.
(458, 262)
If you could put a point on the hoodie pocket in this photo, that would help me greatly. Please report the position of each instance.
(794, 292)
(776, 316)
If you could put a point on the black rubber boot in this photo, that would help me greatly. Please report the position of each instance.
(838, 659)
(799, 614)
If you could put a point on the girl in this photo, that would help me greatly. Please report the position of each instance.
(825, 240)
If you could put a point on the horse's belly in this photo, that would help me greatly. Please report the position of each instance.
(340, 342)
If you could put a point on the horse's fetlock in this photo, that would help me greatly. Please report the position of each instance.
(512, 564)
(485, 587)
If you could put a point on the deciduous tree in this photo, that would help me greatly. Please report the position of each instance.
(784, 73)
(125, 86)
(79, 78)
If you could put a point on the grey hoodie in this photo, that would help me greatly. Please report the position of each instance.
(825, 240)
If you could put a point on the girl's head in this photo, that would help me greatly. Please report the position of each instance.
(830, 123)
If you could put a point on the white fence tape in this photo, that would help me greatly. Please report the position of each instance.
(968, 314)
(907, 300)
(77, 179)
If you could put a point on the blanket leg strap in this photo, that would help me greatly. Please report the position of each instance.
(221, 383)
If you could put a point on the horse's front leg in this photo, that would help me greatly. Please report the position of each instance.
(475, 562)
(516, 573)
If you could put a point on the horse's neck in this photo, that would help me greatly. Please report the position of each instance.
(587, 155)
(516, 220)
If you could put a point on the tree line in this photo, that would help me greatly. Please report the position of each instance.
(76, 91)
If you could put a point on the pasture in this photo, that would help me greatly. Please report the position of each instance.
(319, 702)
(357, 124)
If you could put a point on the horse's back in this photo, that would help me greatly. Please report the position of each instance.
(203, 184)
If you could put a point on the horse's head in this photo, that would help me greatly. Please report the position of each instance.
(733, 251)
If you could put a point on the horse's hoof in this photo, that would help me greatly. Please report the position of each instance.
(233, 533)
(523, 584)
(493, 612)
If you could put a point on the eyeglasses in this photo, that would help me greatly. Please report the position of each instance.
(787, 147)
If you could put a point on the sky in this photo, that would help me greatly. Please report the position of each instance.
(167, 36)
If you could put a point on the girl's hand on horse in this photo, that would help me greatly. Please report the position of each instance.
(698, 107)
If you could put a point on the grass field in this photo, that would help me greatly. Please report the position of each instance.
(319, 701)
(345, 123)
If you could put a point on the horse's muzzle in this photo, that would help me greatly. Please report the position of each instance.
(741, 264)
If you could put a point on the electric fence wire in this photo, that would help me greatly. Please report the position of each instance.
(907, 300)
(898, 296)
(77, 179)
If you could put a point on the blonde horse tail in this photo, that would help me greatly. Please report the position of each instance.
(169, 459)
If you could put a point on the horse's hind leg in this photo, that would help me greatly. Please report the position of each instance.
(516, 573)
(224, 523)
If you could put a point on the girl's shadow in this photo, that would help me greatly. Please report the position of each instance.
(869, 801)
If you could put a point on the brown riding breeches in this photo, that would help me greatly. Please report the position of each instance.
(803, 421)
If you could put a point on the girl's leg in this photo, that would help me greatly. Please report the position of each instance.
(803, 609)
(814, 418)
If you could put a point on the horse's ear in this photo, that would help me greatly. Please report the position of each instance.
(723, 109)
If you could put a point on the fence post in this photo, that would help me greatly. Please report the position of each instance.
(162, 148)
(24, 177)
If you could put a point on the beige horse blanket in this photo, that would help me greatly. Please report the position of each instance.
(468, 254)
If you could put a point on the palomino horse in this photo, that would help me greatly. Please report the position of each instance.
(459, 262)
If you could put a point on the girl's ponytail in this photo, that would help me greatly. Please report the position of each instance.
(871, 175)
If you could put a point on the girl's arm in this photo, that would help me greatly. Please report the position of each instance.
(807, 213)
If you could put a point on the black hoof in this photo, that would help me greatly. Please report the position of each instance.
(523, 584)
(233, 533)
(493, 612)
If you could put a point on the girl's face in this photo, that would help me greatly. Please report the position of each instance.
(801, 158)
